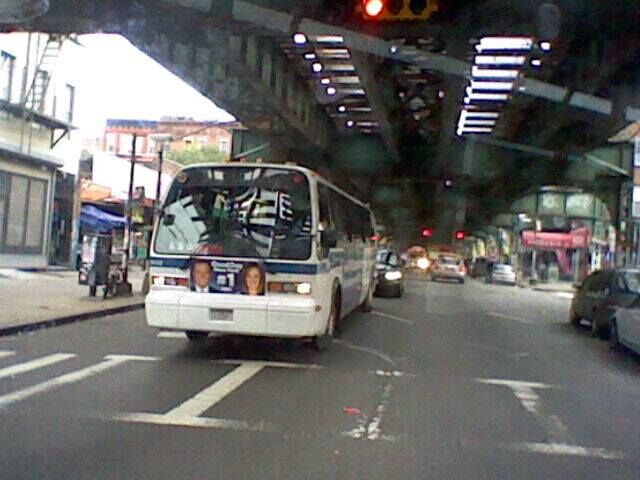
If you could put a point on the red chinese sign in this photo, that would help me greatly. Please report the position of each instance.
(578, 238)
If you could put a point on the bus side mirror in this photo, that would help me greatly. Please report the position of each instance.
(329, 239)
(168, 219)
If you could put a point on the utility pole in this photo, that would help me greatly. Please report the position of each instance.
(129, 225)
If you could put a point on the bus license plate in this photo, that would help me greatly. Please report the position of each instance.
(221, 315)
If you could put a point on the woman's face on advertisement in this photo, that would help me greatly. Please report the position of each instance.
(253, 279)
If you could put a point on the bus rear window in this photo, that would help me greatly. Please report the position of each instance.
(237, 212)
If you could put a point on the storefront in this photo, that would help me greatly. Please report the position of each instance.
(26, 191)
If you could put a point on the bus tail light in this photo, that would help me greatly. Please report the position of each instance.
(169, 281)
(302, 288)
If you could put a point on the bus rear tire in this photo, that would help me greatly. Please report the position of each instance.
(322, 342)
(195, 336)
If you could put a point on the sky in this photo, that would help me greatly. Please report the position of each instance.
(119, 81)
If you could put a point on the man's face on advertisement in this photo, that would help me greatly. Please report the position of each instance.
(202, 274)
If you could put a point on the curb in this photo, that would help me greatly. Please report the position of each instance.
(78, 317)
(552, 291)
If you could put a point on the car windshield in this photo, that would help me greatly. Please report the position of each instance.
(237, 212)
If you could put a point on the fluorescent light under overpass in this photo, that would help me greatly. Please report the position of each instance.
(504, 43)
(478, 72)
(475, 130)
(498, 97)
(329, 38)
(474, 114)
(503, 86)
(479, 123)
(500, 60)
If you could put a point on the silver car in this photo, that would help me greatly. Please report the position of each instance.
(502, 273)
(449, 267)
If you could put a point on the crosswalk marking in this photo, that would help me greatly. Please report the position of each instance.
(34, 364)
(214, 393)
(6, 353)
(68, 378)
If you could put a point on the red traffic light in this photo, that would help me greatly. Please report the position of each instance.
(460, 235)
(373, 8)
(426, 232)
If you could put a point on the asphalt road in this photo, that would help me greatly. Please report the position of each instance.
(453, 381)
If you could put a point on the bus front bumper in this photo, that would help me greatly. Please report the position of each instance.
(279, 315)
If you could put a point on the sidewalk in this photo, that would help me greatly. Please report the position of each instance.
(557, 287)
(34, 299)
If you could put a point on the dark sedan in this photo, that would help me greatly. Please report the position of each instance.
(600, 295)
(389, 275)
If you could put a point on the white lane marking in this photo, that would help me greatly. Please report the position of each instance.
(132, 358)
(188, 421)
(524, 391)
(392, 317)
(6, 353)
(564, 449)
(215, 392)
(171, 335)
(509, 317)
(304, 366)
(370, 430)
(393, 373)
(373, 430)
(371, 351)
(564, 294)
(14, 370)
(68, 378)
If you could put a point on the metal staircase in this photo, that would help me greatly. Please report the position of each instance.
(35, 96)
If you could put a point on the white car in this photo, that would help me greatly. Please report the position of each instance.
(502, 273)
(625, 327)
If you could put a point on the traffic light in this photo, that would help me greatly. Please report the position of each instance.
(396, 10)
(460, 234)
(426, 232)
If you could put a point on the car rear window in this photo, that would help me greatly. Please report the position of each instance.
(503, 268)
(449, 260)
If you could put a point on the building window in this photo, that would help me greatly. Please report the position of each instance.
(223, 145)
(70, 99)
(110, 142)
(125, 144)
(7, 66)
(23, 202)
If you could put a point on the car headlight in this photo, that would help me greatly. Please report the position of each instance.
(393, 275)
(423, 263)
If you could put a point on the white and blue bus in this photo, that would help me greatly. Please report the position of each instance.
(259, 250)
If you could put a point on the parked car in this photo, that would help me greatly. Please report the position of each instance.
(625, 328)
(479, 267)
(501, 273)
(389, 275)
(601, 295)
(449, 267)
